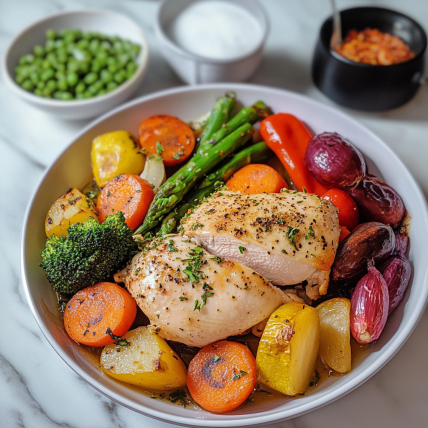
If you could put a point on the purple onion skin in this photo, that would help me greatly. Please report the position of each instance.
(401, 244)
(334, 161)
(397, 272)
(369, 307)
(377, 201)
(368, 242)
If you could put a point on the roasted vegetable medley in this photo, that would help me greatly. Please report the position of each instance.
(209, 262)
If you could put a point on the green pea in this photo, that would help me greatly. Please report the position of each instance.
(73, 66)
(92, 89)
(102, 56)
(119, 78)
(112, 68)
(60, 66)
(131, 67)
(94, 45)
(90, 78)
(19, 79)
(39, 51)
(88, 94)
(38, 92)
(46, 92)
(124, 59)
(106, 76)
(62, 84)
(69, 38)
(62, 57)
(136, 49)
(111, 86)
(84, 67)
(49, 46)
(111, 60)
(57, 94)
(46, 64)
(127, 45)
(78, 33)
(50, 34)
(17, 69)
(96, 66)
(106, 45)
(27, 85)
(80, 88)
(115, 39)
(72, 79)
(22, 60)
(34, 77)
(98, 85)
(40, 85)
(51, 57)
(24, 71)
(59, 43)
(70, 48)
(66, 96)
(83, 44)
(102, 92)
(47, 74)
(60, 75)
(80, 96)
(88, 35)
(52, 85)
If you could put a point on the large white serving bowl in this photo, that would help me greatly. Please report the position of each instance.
(104, 22)
(72, 169)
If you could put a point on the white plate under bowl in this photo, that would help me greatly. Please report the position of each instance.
(72, 169)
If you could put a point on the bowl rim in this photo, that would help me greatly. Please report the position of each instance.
(388, 350)
(29, 96)
(163, 35)
(348, 61)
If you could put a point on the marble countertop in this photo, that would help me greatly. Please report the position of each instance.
(37, 389)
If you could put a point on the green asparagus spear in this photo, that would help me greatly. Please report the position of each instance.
(259, 152)
(251, 114)
(220, 114)
(178, 185)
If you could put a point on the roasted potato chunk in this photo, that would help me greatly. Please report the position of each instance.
(146, 361)
(115, 153)
(71, 208)
(288, 349)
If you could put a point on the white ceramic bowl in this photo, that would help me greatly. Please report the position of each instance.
(195, 69)
(72, 168)
(104, 22)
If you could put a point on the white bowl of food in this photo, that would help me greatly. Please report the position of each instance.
(72, 169)
(67, 91)
(212, 41)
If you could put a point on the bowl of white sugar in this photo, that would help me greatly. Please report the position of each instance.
(208, 41)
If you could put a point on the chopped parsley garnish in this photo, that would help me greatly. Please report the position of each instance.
(171, 246)
(310, 233)
(108, 193)
(285, 252)
(183, 298)
(176, 156)
(194, 264)
(178, 395)
(197, 225)
(216, 358)
(285, 190)
(291, 234)
(304, 189)
(156, 158)
(144, 151)
(313, 255)
(118, 341)
(159, 148)
(242, 249)
(217, 259)
(237, 376)
(204, 297)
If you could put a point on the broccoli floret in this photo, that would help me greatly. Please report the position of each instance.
(90, 253)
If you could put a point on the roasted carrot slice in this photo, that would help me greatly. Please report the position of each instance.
(168, 137)
(221, 376)
(130, 194)
(256, 178)
(96, 314)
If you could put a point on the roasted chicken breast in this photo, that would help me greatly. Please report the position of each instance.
(194, 298)
(286, 237)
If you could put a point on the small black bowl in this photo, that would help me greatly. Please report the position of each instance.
(364, 86)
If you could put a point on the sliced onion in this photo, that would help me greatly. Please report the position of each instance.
(154, 172)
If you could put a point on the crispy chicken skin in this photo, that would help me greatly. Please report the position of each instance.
(158, 281)
(286, 237)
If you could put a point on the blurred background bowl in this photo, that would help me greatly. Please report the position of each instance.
(364, 86)
(192, 68)
(107, 23)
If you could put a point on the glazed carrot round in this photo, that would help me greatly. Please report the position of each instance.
(130, 194)
(94, 312)
(221, 376)
(168, 137)
(256, 178)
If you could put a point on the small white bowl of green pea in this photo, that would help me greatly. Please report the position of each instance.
(77, 64)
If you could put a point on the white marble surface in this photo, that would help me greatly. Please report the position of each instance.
(37, 389)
